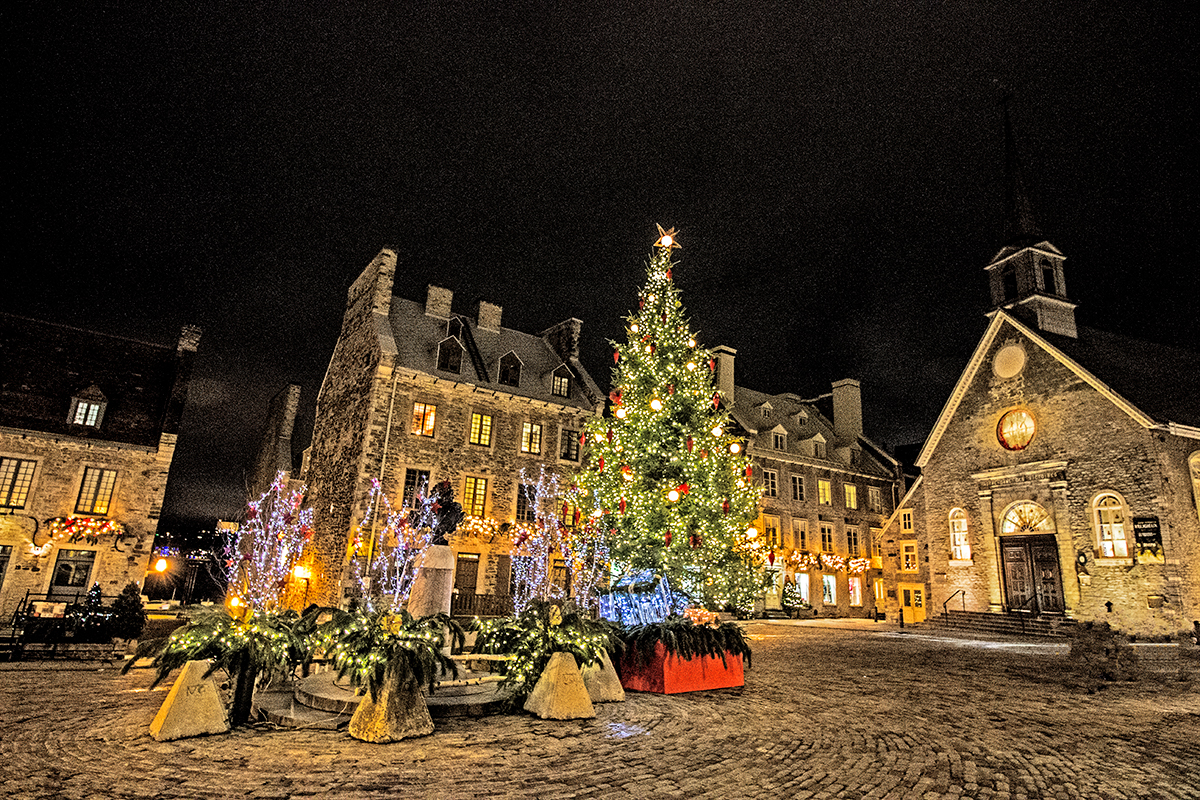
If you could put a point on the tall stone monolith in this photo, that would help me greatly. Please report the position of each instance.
(434, 584)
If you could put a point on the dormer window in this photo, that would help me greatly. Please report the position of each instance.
(87, 408)
(450, 353)
(454, 328)
(560, 382)
(765, 410)
(510, 370)
(819, 450)
(779, 441)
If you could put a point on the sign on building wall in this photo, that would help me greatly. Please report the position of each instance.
(1148, 536)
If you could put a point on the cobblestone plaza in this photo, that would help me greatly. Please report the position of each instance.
(849, 711)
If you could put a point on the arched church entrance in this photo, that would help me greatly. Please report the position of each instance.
(1030, 568)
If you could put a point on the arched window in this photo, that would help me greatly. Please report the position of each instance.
(1026, 517)
(450, 353)
(1194, 468)
(1111, 528)
(960, 545)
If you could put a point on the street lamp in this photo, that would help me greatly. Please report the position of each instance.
(303, 573)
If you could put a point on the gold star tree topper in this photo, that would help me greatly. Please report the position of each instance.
(666, 238)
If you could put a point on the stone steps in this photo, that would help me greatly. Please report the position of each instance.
(322, 701)
(979, 622)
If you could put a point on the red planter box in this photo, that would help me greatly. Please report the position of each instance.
(667, 673)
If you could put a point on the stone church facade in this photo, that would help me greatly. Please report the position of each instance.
(417, 394)
(1062, 478)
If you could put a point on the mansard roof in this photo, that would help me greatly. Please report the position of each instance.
(46, 365)
(1156, 385)
(417, 335)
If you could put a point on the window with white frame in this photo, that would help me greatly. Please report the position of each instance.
(770, 483)
(906, 521)
(87, 413)
(826, 538)
(16, 476)
(531, 438)
(526, 503)
(824, 493)
(800, 534)
(876, 543)
(771, 530)
(797, 487)
(829, 589)
(560, 384)
(908, 556)
(851, 492)
(875, 499)
(510, 370)
(852, 541)
(449, 355)
(481, 429)
(1111, 528)
(95, 493)
(960, 545)
(856, 590)
(802, 585)
(779, 441)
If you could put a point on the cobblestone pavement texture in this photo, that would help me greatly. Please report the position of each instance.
(825, 714)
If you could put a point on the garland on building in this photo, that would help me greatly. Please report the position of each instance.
(667, 482)
(82, 529)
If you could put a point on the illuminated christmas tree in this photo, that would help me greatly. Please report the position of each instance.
(665, 477)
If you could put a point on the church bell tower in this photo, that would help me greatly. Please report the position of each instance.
(1026, 276)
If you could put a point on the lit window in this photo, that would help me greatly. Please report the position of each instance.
(1025, 517)
(824, 493)
(87, 413)
(526, 503)
(797, 487)
(851, 495)
(770, 483)
(423, 419)
(852, 541)
(778, 441)
(1015, 429)
(510, 370)
(481, 429)
(827, 538)
(95, 493)
(908, 556)
(906, 521)
(802, 585)
(875, 499)
(474, 496)
(568, 514)
(561, 383)
(569, 445)
(800, 534)
(856, 593)
(829, 589)
(960, 546)
(876, 543)
(531, 437)
(771, 530)
(450, 354)
(16, 476)
(1110, 525)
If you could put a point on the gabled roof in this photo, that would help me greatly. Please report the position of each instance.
(46, 364)
(1154, 384)
(416, 336)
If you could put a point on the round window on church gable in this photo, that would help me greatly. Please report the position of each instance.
(1015, 430)
(1009, 361)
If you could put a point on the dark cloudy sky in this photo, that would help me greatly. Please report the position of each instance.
(835, 170)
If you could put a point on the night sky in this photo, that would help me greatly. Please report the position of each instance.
(835, 170)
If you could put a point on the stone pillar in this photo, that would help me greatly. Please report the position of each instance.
(434, 584)
(1066, 548)
(990, 540)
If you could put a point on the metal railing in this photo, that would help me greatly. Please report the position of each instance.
(465, 604)
(963, 592)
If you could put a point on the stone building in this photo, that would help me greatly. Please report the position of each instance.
(827, 490)
(416, 394)
(88, 423)
(1062, 478)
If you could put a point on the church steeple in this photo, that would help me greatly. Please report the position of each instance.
(1026, 275)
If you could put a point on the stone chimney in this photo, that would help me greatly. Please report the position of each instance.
(847, 409)
(437, 302)
(724, 356)
(489, 315)
(189, 339)
(564, 338)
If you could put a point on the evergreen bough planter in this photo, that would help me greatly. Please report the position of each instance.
(677, 656)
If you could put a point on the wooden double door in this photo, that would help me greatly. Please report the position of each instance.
(1032, 574)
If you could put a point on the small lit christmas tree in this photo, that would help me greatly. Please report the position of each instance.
(665, 478)
(261, 554)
